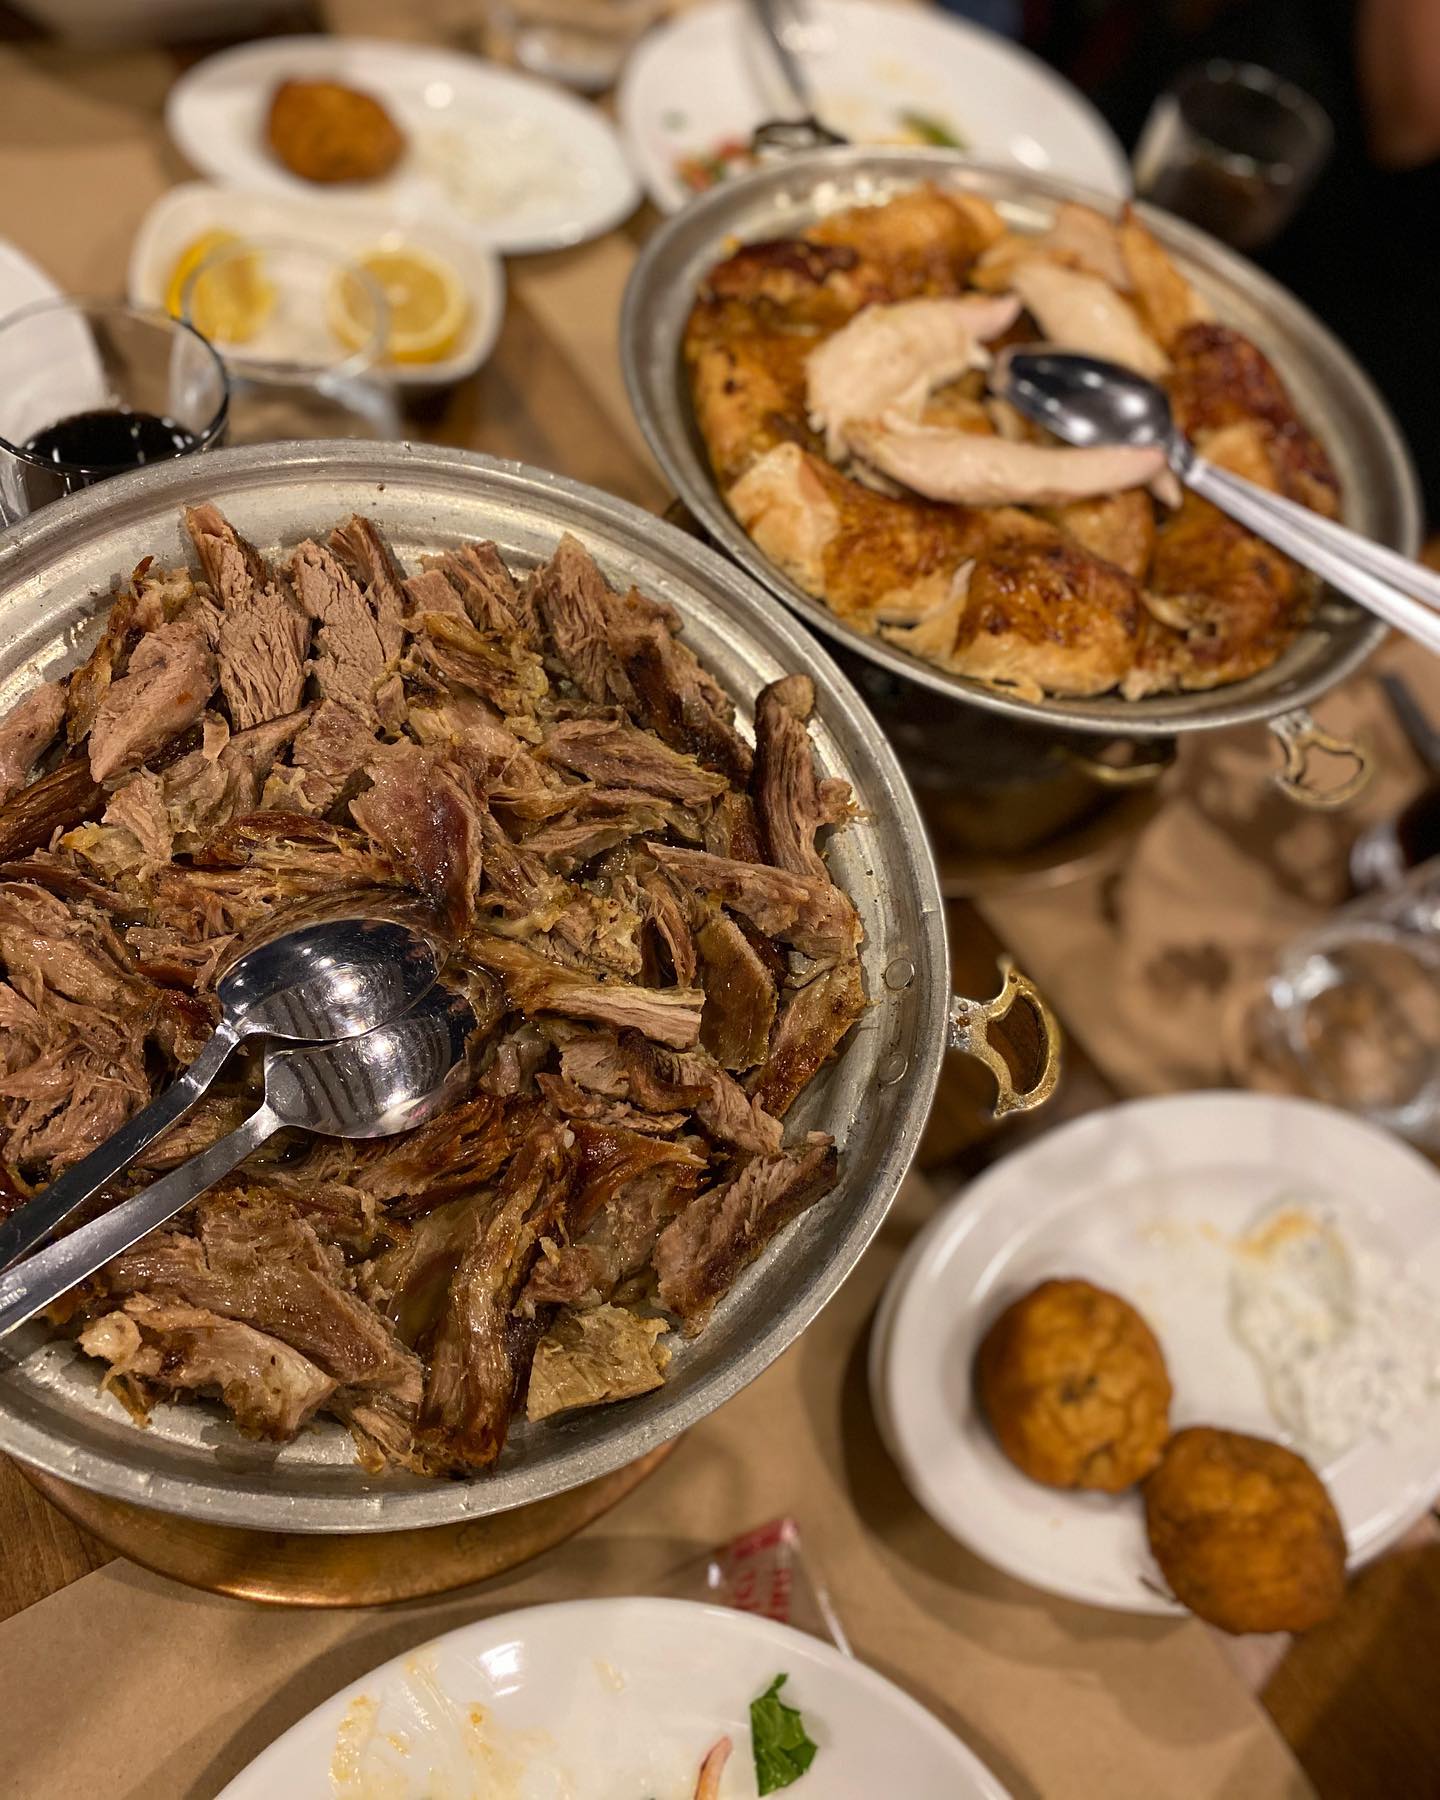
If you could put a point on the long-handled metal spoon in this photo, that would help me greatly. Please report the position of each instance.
(781, 21)
(1087, 401)
(389, 1080)
(362, 961)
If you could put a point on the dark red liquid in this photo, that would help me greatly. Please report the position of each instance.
(111, 440)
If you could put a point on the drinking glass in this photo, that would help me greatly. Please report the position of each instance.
(582, 43)
(1354, 1007)
(91, 388)
(303, 330)
(1234, 149)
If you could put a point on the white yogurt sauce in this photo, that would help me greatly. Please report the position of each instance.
(508, 166)
(1346, 1343)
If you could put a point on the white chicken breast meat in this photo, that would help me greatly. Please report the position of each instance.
(889, 358)
(968, 470)
(1081, 312)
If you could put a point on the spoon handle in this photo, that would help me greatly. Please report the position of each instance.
(1250, 505)
(775, 27)
(1411, 577)
(30, 1286)
(38, 1217)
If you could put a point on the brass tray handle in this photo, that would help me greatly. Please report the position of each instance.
(1300, 738)
(1144, 764)
(972, 1031)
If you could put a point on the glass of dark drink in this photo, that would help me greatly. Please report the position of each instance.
(1234, 149)
(93, 388)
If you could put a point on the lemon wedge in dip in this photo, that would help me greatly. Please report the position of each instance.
(424, 297)
(185, 265)
(230, 300)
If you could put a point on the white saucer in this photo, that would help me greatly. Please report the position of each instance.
(184, 213)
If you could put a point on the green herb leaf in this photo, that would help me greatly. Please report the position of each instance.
(783, 1752)
(932, 131)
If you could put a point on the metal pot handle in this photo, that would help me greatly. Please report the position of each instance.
(1147, 762)
(972, 1031)
(1299, 736)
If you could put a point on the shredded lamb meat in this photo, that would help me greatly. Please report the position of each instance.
(643, 916)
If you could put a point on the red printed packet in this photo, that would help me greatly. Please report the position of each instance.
(764, 1571)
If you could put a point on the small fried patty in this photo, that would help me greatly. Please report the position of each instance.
(1075, 1387)
(1244, 1532)
(323, 131)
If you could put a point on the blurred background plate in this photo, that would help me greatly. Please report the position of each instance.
(183, 215)
(708, 78)
(509, 162)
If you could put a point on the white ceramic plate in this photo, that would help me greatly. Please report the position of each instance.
(450, 107)
(709, 75)
(610, 1700)
(186, 212)
(1143, 1199)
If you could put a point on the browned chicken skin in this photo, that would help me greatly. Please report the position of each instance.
(1098, 594)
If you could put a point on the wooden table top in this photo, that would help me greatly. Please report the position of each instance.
(82, 157)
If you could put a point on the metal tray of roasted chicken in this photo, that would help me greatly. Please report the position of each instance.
(58, 572)
(779, 202)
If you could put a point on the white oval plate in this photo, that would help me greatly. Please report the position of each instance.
(183, 213)
(709, 75)
(610, 1700)
(216, 114)
(1143, 1199)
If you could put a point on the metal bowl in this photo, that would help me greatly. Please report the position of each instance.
(56, 571)
(1381, 492)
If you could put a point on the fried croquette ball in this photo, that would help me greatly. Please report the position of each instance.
(1244, 1532)
(322, 131)
(1075, 1388)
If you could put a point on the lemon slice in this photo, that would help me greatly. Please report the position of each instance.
(231, 301)
(188, 261)
(426, 301)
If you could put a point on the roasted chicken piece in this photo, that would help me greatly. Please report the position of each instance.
(1036, 618)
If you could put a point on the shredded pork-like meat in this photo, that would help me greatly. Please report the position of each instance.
(633, 893)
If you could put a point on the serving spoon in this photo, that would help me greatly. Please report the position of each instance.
(387, 1081)
(349, 965)
(1088, 401)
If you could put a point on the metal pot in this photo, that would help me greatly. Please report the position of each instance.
(1381, 492)
(56, 570)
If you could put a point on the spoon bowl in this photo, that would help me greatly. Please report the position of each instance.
(391, 1079)
(1088, 401)
(331, 971)
(341, 970)
(1085, 400)
(387, 1081)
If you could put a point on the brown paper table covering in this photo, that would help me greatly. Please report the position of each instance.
(125, 1685)
(1155, 963)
